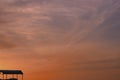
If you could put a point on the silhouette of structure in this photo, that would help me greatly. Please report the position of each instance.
(15, 74)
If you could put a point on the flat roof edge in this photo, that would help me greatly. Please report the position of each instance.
(11, 71)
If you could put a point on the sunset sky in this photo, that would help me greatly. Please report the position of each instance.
(61, 39)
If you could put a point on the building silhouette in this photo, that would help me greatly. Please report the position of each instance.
(13, 73)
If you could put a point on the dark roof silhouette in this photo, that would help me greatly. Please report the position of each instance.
(11, 72)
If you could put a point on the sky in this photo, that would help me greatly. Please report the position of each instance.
(61, 39)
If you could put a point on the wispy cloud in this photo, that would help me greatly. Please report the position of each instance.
(61, 36)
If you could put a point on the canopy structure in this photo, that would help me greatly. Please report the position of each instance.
(11, 72)
(14, 73)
